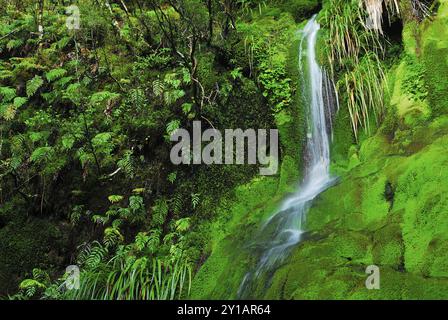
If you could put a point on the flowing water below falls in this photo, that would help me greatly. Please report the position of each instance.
(285, 228)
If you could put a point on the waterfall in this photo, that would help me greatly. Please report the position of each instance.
(285, 228)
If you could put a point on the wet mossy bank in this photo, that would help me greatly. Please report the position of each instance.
(389, 207)
(240, 217)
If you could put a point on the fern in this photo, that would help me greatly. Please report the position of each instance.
(170, 97)
(30, 283)
(92, 255)
(141, 239)
(172, 177)
(14, 43)
(55, 74)
(33, 85)
(112, 237)
(72, 93)
(195, 200)
(177, 203)
(19, 102)
(41, 154)
(136, 203)
(30, 287)
(25, 64)
(172, 126)
(115, 198)
(157, 88)
(7, 94)
(99, 219)
(67, 141)
(62, 83)
(160, 210)
(8, 112)
(139, 190)
(186, 77)
(186, 108)
(153, 242)
(103, 96)
(183, 225)
(127, 164)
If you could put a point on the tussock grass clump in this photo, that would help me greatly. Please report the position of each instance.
(364, 91)
(355, 50)
(127, 277)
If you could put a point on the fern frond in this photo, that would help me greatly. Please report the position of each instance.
(33, 85)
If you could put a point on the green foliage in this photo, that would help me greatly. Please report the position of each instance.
(33, 85)
(195, 199)
(302, 9)
(55, 74)
(41, 154)
(365, 96)
(172, 126)
(354, 52)
(183, 225)
(276, 87)
(7, 94)
(160, 210)
(85, 162)
(115, 198)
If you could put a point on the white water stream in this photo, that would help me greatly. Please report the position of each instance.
(286, 226)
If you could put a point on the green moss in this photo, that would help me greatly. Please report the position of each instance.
(435, 57)
(302, 9)
(421, 193)
(354, 224)
(238, 220)
(240, 217)
(29, 244)
(342, 141)
(388, 207)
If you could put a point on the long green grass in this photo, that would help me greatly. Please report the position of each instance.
(355, 50)
(126, 277)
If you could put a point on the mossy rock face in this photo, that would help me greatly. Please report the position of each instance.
(24, 246)
(239, 220)
(435, 56)
(388, 207)
(356, 224)
(302, 9)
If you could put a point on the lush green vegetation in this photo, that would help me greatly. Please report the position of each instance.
(85, 171)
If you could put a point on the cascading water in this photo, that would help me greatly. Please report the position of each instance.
(285, 228)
